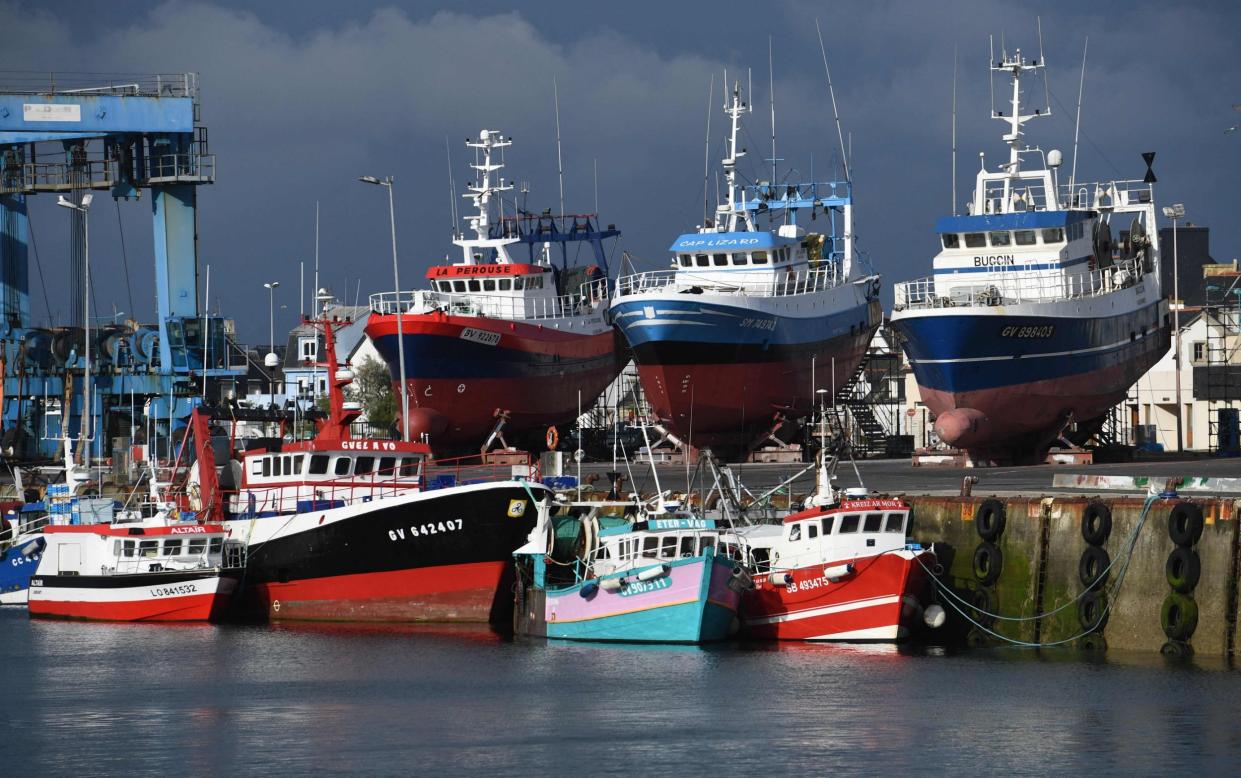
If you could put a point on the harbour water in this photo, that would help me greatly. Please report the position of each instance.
(84, 698)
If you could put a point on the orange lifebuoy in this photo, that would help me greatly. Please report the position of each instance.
(553, 438)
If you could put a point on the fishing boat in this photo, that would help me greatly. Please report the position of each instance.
(498, 349)
(342, 528)
(1037, 320)
(841, 568)
(149, 571)
(654, 578)
(756, 313)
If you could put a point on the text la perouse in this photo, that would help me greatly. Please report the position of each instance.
(368, 445)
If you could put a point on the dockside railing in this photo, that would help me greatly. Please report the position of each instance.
(499, 306)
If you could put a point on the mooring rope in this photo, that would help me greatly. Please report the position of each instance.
(1110, 590)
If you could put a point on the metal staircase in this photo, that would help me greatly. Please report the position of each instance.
(852, 415)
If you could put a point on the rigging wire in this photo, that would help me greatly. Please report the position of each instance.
(120, 228)
(47, 303)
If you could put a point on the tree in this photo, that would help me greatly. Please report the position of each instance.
(372, 387)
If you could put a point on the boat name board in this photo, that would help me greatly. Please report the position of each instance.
(642, 587)
(369, 445)
(423, 530)
(717, 243)
(1029, 331)
(480, 336)
(996, 260)
(187, 531)
(51, 112)
(659, 525)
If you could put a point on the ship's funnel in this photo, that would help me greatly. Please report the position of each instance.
(963, 427)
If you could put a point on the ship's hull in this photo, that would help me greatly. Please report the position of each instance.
(882, 600)
(459, 370)
(183, 595)
(16, 568)
(435, 556)
(719, 372)
(692, 602)
(1004, 382)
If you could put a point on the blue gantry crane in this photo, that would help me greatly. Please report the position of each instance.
(66, 135)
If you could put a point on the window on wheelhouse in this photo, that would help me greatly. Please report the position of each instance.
(1024, 237)
(342, 465)
(827, 524)
(705, 542)
(975, 240)
(519, 283)
(848, 523)
(458, 286)
(148, 548)
(506, 284)
(216, 545)
(129, 548)
(719, 260)
(364, 465)
(387, 467)
(474, 286)
(668, 549)
(874, 522)
(409, 467)
(266, 466)
(197, 546)
(702, 260)
(686, 260)
(951, 240)
(172, 547)
(896, 523)
(1002, 238)
(812, 530)
(758, 257)
(1053, 235)
(795, 532)
(318, 464)
(741, 259)
(687, 546)
(489, 285)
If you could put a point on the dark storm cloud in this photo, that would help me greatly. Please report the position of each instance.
(302, 98)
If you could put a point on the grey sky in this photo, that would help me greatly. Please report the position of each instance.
(302, 97)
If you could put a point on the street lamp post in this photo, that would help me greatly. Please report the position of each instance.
(271, 360)
(1176, 212)
(396, 280)
(87, 420)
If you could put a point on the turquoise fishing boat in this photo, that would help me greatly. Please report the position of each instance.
(657, 578)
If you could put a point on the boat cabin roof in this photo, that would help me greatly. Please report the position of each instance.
(1021, 220)
(730, 241)
(124, 530)
(486, 270)
(849, 506)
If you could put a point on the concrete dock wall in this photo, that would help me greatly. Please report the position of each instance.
(1041, 569)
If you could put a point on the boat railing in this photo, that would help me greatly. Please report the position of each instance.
(592, 296)
(1106, 195)
(1014, 287)
(402, 479)
(827, 276)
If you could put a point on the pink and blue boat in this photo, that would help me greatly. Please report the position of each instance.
(660, 579)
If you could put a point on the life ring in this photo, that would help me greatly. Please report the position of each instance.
(1185, 524)
(988, 561)
(1092, 611)
(1096, 523)
(1178, 616)
(990, 519)
(1094, 567)
(1183, 569)
(553, 438)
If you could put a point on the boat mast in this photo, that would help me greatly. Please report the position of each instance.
(480, 193)
(734, 110)
(1015, 66)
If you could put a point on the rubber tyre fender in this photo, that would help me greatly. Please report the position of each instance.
(1185, 523)
(1093, 568)
(1092, 642)
(988, 562)
(1177, 649)
(1183, 569)
(990, 519)
(985, 605)
(1096, 523)
(1093, 611)
(1178, 616)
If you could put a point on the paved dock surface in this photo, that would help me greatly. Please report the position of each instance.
(898, 476)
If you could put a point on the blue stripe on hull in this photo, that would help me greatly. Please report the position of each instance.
(686, 320)
(970, 353)
(691, 622)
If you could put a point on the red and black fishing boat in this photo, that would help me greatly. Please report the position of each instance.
(356, 529)
(499, 349)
